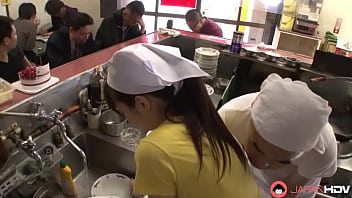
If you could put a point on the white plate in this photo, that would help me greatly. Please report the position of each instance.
(113, 184)
(210, 89)
(37, 88)
(206, 51)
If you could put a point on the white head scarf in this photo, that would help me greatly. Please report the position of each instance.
(145, 68)
(289, 115)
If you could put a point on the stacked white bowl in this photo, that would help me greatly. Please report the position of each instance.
(207, 59)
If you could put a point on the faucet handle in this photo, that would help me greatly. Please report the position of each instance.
(28, 144)
(36, 105)
(56, 113)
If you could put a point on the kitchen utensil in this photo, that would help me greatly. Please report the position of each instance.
(207, 59)
(344, 150)
(131, 136)
(221, 83)
(93, 119)
(113, 184)
(251, 51)
(293, 62)
(210, 89)
(48, 191)
(112, 123)
(261, 56)
(272, 56)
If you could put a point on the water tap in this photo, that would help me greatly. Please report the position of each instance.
(28, 146)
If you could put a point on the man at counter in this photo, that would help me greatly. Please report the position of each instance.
(123, 25)
(285, 131)
(70, 43)
(60, 14)
(199, 24)
(12, 60)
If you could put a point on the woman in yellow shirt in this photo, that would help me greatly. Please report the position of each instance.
(189, 153)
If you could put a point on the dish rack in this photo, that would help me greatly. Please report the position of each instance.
(12, 176)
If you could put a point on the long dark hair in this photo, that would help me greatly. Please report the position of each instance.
(193, 104)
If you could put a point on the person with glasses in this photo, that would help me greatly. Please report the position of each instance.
(199, 24)
(285, 131)
(71, 43)
(124, 24)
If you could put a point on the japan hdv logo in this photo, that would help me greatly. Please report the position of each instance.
(279, 189)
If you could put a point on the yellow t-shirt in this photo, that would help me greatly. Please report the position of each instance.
(168, 165)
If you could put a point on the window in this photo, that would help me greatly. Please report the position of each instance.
(249, 16)
(149, 5)
(149, 23)
(253, 35)
(222, 9)
(177, 23)
(227, 30)
(173, 9)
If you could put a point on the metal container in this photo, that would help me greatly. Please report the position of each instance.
(236, 44)
(112, 123)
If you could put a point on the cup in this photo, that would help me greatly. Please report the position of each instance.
(131, 136)
(93, 119)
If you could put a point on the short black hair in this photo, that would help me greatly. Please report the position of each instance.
(136, 7)
(193, 15)
(6, 28)
(53, 7)
(26, 10)
(80, 20)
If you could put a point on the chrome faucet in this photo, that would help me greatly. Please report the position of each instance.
(29, 146)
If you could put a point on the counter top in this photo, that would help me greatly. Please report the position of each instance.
(85, 63)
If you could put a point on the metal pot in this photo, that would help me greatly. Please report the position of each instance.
(112, 123)
(344, 150)
(293, 62)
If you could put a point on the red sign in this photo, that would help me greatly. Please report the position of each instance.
(179, 3)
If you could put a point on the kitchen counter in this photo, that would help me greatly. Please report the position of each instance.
(80, 65)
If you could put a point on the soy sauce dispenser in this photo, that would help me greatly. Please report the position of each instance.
(96, 87)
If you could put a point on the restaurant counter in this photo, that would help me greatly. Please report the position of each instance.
(85, 63)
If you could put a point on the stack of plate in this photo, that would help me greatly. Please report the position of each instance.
(207, 59)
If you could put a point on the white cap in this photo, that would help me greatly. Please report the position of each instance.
(289, 115)
(145, 68)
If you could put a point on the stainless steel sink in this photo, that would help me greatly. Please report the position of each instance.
(104, 155)
(341, 177)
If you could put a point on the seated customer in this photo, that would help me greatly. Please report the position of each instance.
(202, 25)
(285, 131)
(121, 26)
(11, 60)
(70, 43)
(60, 14)
(26, 27)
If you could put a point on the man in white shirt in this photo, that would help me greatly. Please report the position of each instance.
(285, 131)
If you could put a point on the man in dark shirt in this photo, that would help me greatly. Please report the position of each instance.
(70, 43)
(121, 26)
(60, 14)
(12, 60)
(202, 25)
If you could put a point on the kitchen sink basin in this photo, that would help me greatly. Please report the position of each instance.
(104, 155)
(341, 177)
